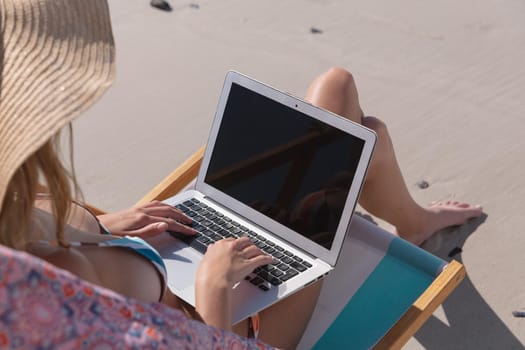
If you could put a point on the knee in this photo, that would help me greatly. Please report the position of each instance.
(339, 78)
(335, 90)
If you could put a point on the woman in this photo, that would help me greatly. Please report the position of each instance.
(58, 66)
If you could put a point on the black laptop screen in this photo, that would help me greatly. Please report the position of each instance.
(284, 164)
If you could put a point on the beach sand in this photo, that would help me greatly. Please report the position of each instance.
(447, 77)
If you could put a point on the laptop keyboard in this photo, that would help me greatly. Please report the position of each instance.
(212, 226)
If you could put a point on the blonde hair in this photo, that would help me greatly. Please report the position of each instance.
(44, 165)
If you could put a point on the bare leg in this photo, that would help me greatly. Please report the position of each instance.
(385, 193)
(283, 324)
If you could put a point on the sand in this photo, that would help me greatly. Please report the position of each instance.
(447, 77)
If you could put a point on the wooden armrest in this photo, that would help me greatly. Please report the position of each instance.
(423, 307)
(177, 180)
(94, 210)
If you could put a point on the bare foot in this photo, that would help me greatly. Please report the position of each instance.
(440, 215)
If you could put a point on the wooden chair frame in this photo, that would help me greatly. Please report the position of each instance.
(409, 323)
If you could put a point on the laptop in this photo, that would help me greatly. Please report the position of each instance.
(281, 171)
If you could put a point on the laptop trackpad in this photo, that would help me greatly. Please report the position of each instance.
(181, 262)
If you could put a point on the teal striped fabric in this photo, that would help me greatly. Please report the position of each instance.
(398, 280)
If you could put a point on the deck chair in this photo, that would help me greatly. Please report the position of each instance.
(392, 332)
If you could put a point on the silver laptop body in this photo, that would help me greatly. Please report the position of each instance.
(282, 171)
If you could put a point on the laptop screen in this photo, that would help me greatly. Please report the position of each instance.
(284, 164)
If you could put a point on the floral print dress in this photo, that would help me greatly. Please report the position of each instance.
(44, 307)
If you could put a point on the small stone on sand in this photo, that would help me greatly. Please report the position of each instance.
(518, 313)
(161, 5)
(314, 30)
(422, 184)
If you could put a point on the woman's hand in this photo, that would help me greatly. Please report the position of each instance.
(230, 260)
(147, 220)
(225, 263)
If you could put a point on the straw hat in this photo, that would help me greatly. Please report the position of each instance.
(56, 60)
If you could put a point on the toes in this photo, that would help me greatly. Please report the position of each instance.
(461, 211)
(463, 205)
(454, 204)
